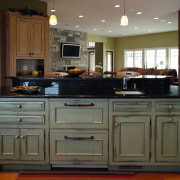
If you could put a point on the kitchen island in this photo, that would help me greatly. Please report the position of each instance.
(73, 128)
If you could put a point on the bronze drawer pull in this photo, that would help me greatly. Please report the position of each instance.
(79, 105)
(79, 138)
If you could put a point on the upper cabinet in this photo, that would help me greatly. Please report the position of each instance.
(27, 38)
(30, 37)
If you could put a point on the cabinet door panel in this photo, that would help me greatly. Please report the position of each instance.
(37, 38)
(167, 138)
(32, 144)
(131, 138)
(23, 37)
(9, 144)
(85, 115)
(78, 147)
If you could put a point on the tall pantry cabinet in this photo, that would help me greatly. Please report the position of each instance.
(27, 39)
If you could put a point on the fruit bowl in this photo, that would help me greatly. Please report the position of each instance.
(75, 72)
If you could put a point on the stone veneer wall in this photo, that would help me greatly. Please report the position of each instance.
(58, 36)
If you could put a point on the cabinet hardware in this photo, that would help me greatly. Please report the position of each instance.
(17, 137)
(171, 119)
(170, 107)
(23, 137)
(19, 120)
(79, 138)
(116, 124)
(79, 105)
(19, 106)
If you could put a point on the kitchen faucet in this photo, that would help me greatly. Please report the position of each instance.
(124, 83)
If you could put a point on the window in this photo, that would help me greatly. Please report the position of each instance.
(91, 60)
(160, 58)
(133, 58)
(155, 58)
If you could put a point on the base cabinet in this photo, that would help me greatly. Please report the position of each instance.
(79, 131)
(131, 138)
(22, 144)
(78, 147)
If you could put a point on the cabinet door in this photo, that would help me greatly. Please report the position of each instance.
(78, 147)
(37, 38)
(167, 138)
(131, 136)
(32, 144)
(23, 37)
(9, 144)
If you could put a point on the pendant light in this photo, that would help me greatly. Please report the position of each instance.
(53, 18)
(124, 18)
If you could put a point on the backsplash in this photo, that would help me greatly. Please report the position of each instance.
(58, 36)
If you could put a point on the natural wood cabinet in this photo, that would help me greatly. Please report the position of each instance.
(30, 38)
(27, 38)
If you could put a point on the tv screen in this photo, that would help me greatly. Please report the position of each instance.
(70, 50)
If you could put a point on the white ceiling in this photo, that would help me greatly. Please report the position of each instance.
(67, 12)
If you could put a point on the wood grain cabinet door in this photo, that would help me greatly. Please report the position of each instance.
(9, 144)
(30, 38)
(32, 144)
(23, 37)
(167, 138)
(131, 138)
(37, 38)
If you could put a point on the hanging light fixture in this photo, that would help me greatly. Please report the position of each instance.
(124, 18)
(53, 18)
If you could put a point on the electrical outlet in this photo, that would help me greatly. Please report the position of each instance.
(24, 67)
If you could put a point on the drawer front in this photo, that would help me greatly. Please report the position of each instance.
(22, 106)
(89, 115)
(168, 107)
(78, 147)
(8, 119)
(131, 106)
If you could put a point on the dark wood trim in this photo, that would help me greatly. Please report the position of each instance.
(179, 47)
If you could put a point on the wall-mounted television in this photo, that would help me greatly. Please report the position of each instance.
(70, 50)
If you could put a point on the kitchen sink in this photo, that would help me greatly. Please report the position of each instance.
(127, 92)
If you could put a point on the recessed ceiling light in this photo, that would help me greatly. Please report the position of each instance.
(117, 6)
(94, 29)
(81, 16)
(53, 10)
(156, 18)
(103, 20)
(76, 26)
(169, 22)
(135, 27)
(110, 31)
(138, 13)
(163, 20)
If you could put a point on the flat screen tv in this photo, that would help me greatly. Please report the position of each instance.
(69, 50)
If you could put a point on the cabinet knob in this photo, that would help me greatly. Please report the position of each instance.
(116, 124)
(171, 119)
(170, 107)
(19, 106)
(23, 137)
(19, 120)
(17, 137)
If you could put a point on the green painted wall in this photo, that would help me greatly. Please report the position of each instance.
(37, 5)
(167, 39)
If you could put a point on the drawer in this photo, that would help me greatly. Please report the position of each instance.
(131, 106)
(22, 106)
(167, 107)
(73, 114)
(76, 147)
(8, 119)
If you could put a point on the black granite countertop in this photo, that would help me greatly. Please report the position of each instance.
(53, 92)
